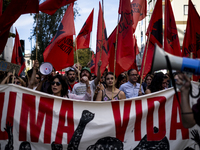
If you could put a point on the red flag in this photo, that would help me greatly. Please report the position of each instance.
(60, 53)
(1, 7)
(46, 51)
(136, 49)
(191, 42)
(125, 49)
(171, 40)
(105, 48)
(92, 64)
(51, 6)
(83, 38)
(155, 27)
(32, 7)
(17, 56)
(10, 15)
(139, 11)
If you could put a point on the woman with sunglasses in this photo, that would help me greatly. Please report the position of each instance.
(59, 87)
(17, 80)
(108, 94)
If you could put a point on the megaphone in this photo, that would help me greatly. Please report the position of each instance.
(46, 68)
(177, 63)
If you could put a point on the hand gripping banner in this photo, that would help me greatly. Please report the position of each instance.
(39, 121)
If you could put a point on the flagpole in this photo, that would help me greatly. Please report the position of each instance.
(145, 60)
(36, 44)
(102, 31)
(77, 58)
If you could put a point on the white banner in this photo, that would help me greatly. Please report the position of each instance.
(39, 121)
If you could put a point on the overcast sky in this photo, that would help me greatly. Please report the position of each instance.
(24, 24)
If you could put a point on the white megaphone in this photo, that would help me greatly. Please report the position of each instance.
(177, 63)
(46, 68)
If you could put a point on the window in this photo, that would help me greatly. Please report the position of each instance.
(185, 9)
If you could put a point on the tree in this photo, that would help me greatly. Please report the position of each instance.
(84, 56)
(47, 28)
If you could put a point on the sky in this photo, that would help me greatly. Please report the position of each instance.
(24, 24)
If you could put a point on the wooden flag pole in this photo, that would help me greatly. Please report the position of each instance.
(36, 43)
(13, 76)
(77, 58)
(145, 59)
(115, 57)
(191, 56)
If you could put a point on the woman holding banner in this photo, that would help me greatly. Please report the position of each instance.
(108, 93)
(59, 87)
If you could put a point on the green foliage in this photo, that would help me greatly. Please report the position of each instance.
(84, 56)
(47, 28)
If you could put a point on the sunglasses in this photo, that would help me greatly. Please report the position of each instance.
(57, 83)
(37, 77)
(17, 82)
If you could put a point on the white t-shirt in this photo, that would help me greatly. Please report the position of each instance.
(80, 88)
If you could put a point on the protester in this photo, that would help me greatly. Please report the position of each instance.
(121, 79)
(147, 81)
(71, 78)
(17, 80)
(80, 88)
(190, 116)
(59, 87)
(108, 93)
(35, 77)
(158, 83)
(132, 88)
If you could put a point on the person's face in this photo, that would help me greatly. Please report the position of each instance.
(164, 84)
(37, 79)
(133, 77)
(123, 81)
(53, 72)
(85, 73)
(56, 87)
(109, 80)
(71, 76)
(102, 79)
(148, 80)
(16, 81)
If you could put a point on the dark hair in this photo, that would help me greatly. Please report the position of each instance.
(129, 71)
(148, 75)
(119, 79)
(64, 90)
(156, 83)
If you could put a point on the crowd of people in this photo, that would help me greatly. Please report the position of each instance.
(100, 88)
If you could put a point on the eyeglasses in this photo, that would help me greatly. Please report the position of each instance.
(37, 77)
(17, 82)
(57, 83)
(133, 74)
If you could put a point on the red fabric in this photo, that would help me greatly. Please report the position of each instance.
(51, 6)
(17, 56)
(125, 57)
(46, 51)
(191, 42)
(139, 11)
(1, 7)
(92, 65)
(70, 86)
(136, 49)
(155, 27)
(105, 48)
(171, 40)
(61, 53)
(10, 15)
(83, 38)
(32, 7)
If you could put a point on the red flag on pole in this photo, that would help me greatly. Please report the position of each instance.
(17, 56)
(51, 6)
(10, 15)
(125, 47)
(46, 51)
(83, 38)
(60, 53)
(136, 49)
(155, 27)
(139, 11)
(191, 42)
(105, 48)
(171, 40)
